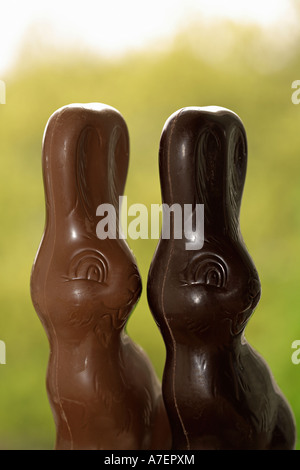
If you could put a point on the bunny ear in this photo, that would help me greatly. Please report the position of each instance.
(235, 177)
(203, 159)
(85, 161)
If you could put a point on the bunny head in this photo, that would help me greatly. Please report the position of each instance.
(207, 293)
(81, 282)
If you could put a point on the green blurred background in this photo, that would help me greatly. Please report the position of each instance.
(227, 64)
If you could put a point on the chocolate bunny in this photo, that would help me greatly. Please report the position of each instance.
(219, 393)
(102, 388)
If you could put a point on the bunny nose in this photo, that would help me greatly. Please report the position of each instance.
(254, 287)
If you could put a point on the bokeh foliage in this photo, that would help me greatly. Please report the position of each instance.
(223, 65)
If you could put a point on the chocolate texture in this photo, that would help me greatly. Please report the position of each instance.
(219, 392)
(102, 388)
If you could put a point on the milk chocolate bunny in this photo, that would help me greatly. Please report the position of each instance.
(102, 388)
(219, 393)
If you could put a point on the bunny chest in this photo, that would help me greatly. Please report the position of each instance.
(221, 395)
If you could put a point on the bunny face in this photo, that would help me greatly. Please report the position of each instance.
(96, 289)
(210, 295)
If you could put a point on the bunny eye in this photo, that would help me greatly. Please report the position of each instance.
(214, 277)
(94, 272)
(89, 265)
(210, 272)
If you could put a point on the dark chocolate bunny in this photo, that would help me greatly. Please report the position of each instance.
(102, 388)
(218, 391)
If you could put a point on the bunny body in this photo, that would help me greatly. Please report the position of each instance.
(103, 391)
(219, 392)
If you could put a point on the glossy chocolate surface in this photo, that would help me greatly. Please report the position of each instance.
(102, 388)
(218, 391)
